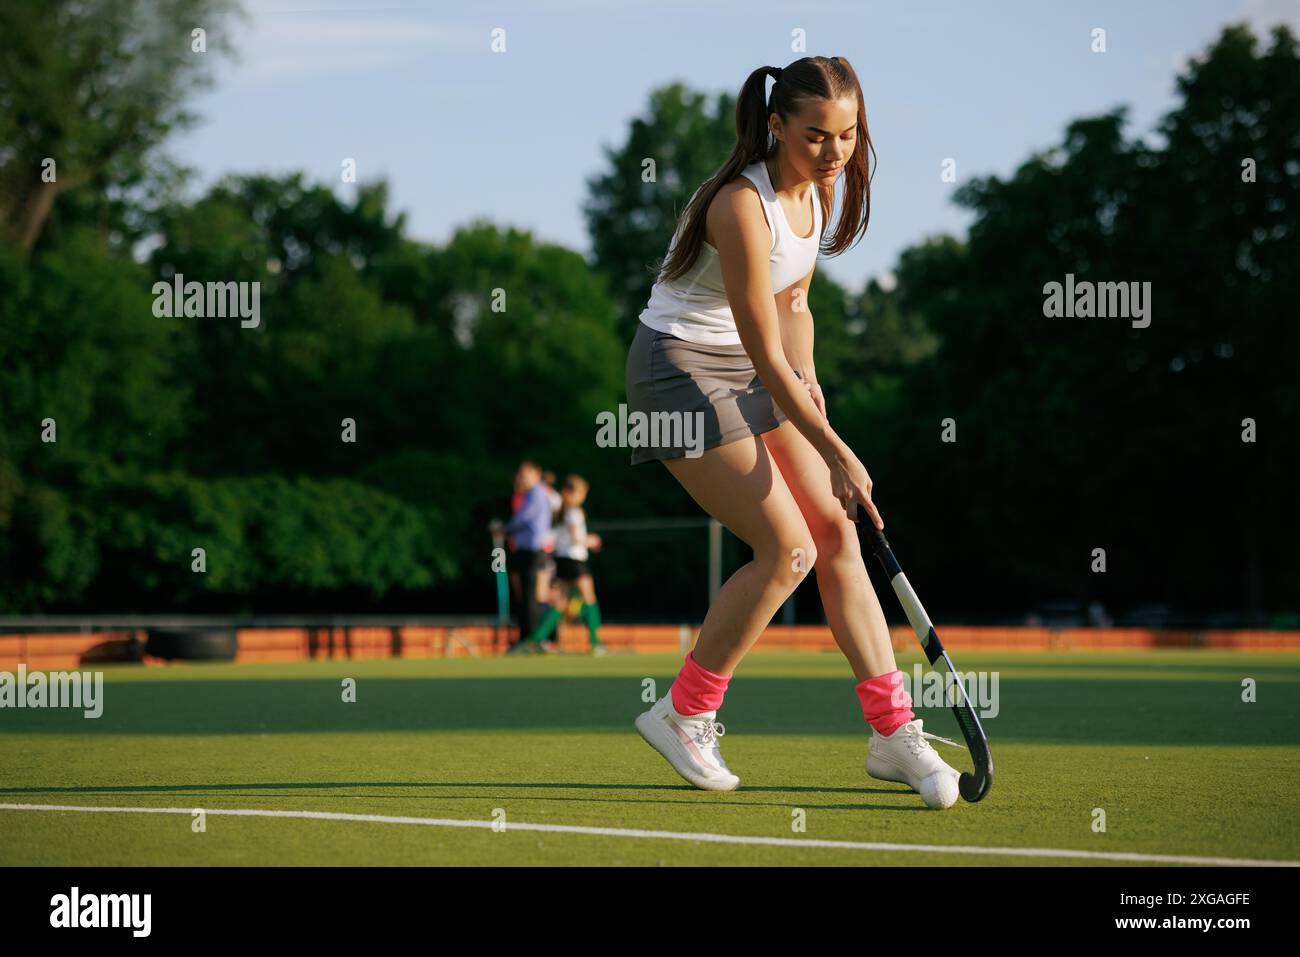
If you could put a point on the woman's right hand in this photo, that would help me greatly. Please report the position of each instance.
(851, 484)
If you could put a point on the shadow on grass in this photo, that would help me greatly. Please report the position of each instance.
(1084, 711)
(488, 791)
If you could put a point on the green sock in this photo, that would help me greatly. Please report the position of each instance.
(591, 615)
(546, 626)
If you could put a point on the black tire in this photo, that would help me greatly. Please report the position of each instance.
(192, 644)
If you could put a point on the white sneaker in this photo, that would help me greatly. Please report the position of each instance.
(690, 743)
(906, 757)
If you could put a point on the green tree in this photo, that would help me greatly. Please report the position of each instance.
(95, 87)
(1074, 434)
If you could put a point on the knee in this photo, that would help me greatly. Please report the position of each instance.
(838, 541)
(790, 562)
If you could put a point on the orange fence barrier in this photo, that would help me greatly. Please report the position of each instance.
(77, 649)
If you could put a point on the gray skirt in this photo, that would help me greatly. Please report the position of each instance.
(688, 398)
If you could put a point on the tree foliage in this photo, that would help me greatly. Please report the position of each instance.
(453, 362)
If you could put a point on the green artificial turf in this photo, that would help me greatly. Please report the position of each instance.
(1161, 741)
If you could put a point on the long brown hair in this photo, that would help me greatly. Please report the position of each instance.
(812, 77)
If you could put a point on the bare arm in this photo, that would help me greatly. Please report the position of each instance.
(797, 328)
(744, 243)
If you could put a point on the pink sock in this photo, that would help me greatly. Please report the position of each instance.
(697, 689)
(885, 702)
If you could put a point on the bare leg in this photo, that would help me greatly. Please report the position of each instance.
(543, 585)
(740, 486)
(852, 608)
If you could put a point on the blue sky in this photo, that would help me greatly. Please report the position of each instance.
(413, 92)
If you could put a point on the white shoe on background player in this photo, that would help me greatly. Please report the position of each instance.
(690, 743)
(906, 757)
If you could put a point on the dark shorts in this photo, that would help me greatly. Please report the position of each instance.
(697, 396)
(570, 569)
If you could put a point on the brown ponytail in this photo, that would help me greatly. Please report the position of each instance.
(808, 78)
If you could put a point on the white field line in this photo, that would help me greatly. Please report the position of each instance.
(674, 835)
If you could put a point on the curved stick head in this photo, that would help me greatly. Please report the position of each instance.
(972, 788)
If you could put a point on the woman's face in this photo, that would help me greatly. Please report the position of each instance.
(820, 138)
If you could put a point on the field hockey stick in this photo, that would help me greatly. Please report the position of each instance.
(973, 787)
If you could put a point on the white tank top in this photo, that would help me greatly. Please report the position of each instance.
(571, 538)
(694, 306)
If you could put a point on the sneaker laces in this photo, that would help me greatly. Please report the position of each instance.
(916, 739)
(710, 732)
